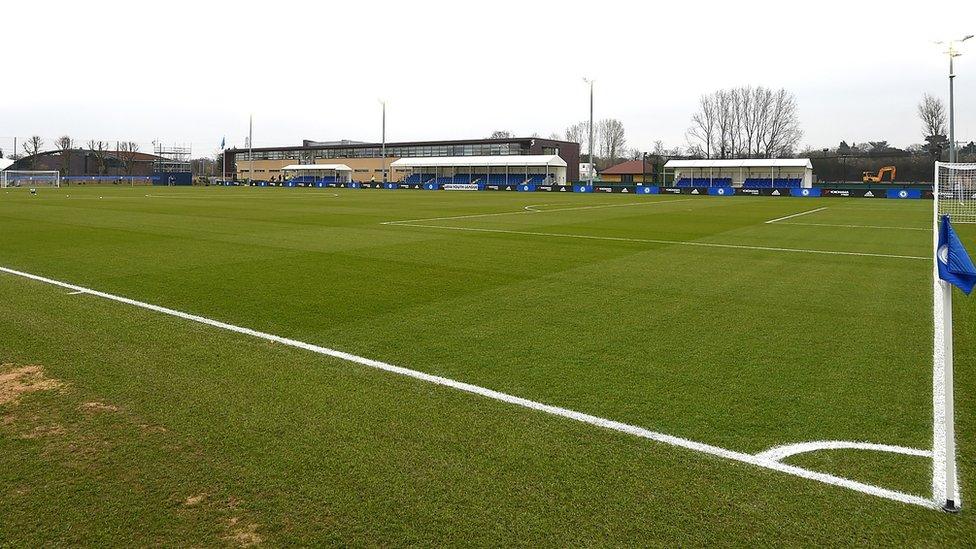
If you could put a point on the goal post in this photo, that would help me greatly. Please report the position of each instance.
(954, 195)
(955, 192)
(30, 178)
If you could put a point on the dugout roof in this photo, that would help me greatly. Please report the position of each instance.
(742, 163)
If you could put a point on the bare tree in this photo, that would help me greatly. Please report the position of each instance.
(555, 136)
(612, 139)
(500, 134)
(932, 113)
(65, 144)
(578, 133)
(128, 152)
(98, 150)
(659, 148)
(32, 147)
(783, 132)
(745, 121)
(702, 130)
(747, 124)
(723, 124)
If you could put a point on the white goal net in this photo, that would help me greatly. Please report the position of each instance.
(29, 178)
(955, 192)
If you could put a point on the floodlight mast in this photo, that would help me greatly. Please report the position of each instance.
(383, 146)
(592, 167)
(250, 148)
(952, 52)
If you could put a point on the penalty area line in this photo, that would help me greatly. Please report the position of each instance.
(891, 227)
(796, 215)
(526, 209)
(668, 242)
(566, 413)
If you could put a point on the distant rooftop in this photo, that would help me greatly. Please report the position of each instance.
(310, 143)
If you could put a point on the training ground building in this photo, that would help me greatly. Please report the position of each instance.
(524, 160)
(628, 173)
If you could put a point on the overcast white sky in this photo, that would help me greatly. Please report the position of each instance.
(191, 72)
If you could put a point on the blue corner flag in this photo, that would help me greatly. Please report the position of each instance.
(955, 267)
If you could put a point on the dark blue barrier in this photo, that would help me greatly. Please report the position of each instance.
(582, 189)
(553, 188)
(853, 193)
(172, 178)
(526, 188)
(721, 191)
(683, 190)
(648, 189)
(352, 185)
(431, 186)
(805, 193)
(904, 193)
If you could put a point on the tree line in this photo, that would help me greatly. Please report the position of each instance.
(745, 122)
(125, 153)
(609, 141)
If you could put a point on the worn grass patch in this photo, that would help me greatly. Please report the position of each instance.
(16, 381)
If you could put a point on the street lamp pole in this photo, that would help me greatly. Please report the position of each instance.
(592, 163)
(952, 52)
(383, 146)
(250, 149)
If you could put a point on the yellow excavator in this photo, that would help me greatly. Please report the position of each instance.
(871, 177)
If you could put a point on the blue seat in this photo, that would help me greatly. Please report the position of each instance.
(419, 178)
(758, 183)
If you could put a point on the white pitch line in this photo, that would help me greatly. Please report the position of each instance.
(779, 453)
(796, 215)
(634, 430)
(658, 241)
(532, 207)
(856, 226)
(77, 292)
(524, 210)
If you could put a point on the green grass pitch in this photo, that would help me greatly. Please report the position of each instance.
(689, 316)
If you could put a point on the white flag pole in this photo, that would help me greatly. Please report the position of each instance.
(944, 487)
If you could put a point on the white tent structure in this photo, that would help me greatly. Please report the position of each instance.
(543, 168)
(5, 163)
(740, 169)
(340, 172)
